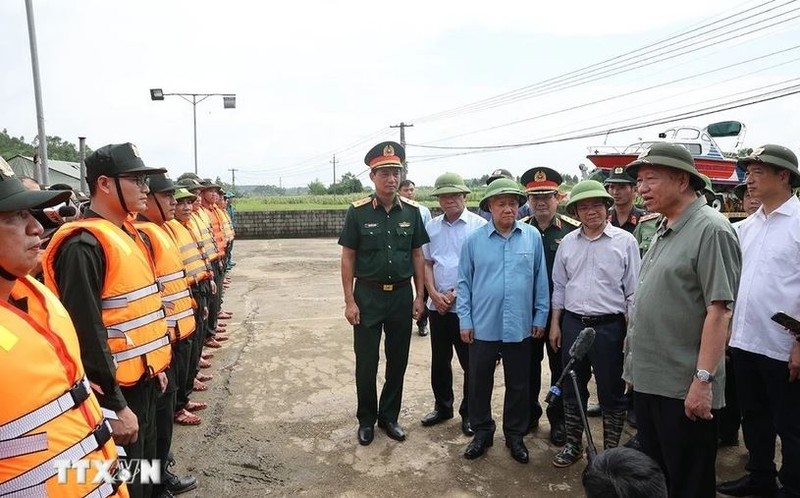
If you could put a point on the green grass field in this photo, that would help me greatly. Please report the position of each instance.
(327, 202)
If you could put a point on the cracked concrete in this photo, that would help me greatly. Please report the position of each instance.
(281, 419)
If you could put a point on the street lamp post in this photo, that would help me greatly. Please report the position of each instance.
(228, 102)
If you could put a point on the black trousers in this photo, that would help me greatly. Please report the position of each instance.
(445, 337)
(200, 292)
(685, 450)
(214, 301)
(141, 399)
(422, 321)
(381, 313)
(555, 411)
(165, 412)
(605, 358)
(516, 371)
(181, 366)
(770, 406)
(730, 417)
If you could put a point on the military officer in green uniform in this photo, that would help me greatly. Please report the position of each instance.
(541, 186)
(382, 243)
(623, 214)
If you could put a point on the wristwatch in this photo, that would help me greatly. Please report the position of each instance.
(704, 376)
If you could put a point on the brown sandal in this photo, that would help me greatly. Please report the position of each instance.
(195, 406)
(203, 378)
(183, 417)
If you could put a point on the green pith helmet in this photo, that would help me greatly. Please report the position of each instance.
(739, 191)
(776, 155)
(502, 186)
(450, 183)
(189, 184)
(587, 189)
(182, 193)
(707, 187)
(671, 156)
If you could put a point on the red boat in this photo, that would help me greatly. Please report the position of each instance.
(708, 157)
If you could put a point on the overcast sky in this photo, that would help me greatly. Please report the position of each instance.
(317, 77)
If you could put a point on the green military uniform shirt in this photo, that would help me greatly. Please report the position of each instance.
(551, 238)
(689, 265)
(383, 241)
(645, 231)
(629, 225)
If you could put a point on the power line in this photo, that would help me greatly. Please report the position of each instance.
(634, 92)
(744, 102)
(582, 74)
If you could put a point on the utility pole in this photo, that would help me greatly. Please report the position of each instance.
(403, 127)
(333, 161)
(43, 175)
(233, 176)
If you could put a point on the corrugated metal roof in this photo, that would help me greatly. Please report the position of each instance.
(60, 171)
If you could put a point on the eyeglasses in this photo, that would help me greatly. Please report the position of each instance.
(139, 180)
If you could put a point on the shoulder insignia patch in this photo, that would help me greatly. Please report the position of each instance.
(361, 202)
(409, 201)
(648, 217)
(567, 219)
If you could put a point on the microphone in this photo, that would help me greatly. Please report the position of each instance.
(580, 348)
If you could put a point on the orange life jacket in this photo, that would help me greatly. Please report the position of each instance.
(131, 301)
(170, 274)
(49, 412)
(203, 222)
(227, 224)
(216, 230)
(197, 267)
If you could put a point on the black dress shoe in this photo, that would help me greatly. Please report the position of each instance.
(393, 430)
(177, 485)
(594, 411)
(365, 435)
(477, 447)
(558, 434)
(518, 451)
(435, 417)
(747, 485)
(466, 429)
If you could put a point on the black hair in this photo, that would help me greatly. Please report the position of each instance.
(406, 183)
(624, 473)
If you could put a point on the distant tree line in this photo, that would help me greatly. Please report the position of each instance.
(57, 148)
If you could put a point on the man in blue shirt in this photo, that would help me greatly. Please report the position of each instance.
(447, 232)
(503, 301)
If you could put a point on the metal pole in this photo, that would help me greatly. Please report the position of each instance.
(194, 122)
(44, 179)
(82, 152)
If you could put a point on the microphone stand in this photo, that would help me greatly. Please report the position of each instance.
(591, 450)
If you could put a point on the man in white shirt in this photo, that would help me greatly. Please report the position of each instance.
(447, 233)
(594, 279)
(408, 189)
(765, 356)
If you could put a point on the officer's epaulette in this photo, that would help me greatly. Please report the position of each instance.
(409, 201)
(526, 219)
(648, 217)
(567, 219)
(361, 202)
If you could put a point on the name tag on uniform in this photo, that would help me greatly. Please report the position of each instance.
(404, 224)
(370, 225)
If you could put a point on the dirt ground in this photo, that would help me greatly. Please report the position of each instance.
(281, 419)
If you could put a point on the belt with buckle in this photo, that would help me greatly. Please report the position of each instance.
(385, 287)
(597, 319)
